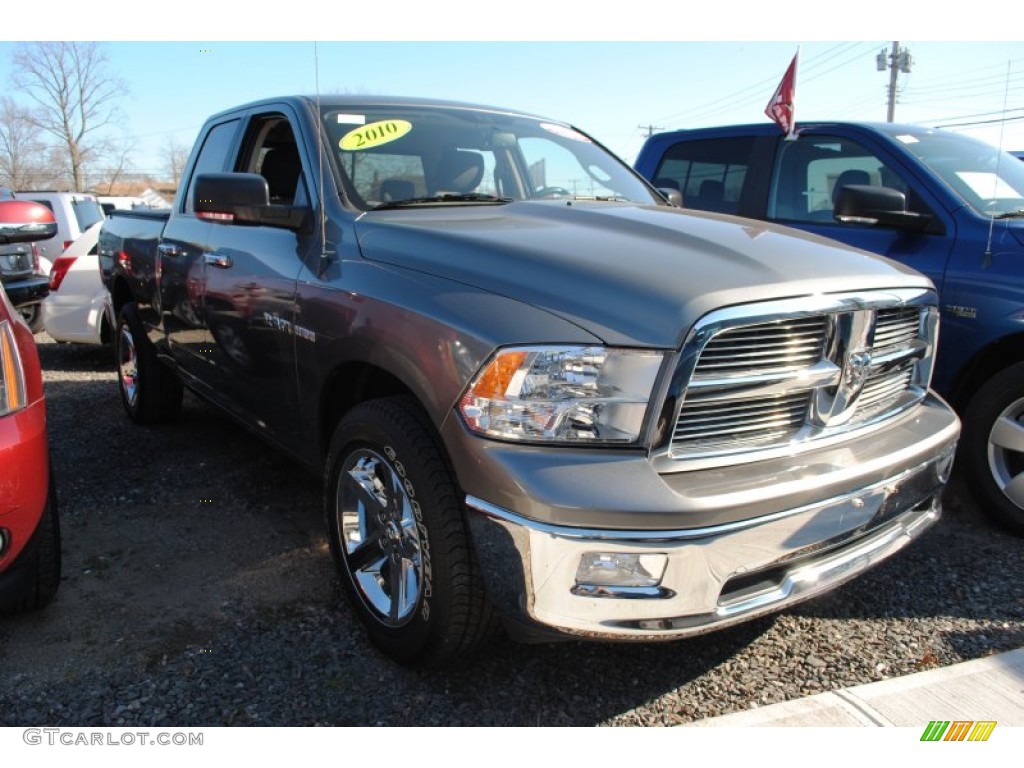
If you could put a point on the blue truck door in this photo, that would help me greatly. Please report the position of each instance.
(982, 296)
(806, 179)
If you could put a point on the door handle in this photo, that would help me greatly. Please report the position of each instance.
(218, 260)
(170, 251)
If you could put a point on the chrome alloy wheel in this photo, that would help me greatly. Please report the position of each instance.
(1006, 452)
(380, 536)
(128, 366)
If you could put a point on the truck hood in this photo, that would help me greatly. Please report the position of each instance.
(629, 274)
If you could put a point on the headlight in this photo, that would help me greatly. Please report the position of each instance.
(570, 394)
(12, 378)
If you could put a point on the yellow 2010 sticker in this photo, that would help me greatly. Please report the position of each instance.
(374, 134)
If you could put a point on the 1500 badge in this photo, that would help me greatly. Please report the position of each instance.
(287, 326)
(970, 313)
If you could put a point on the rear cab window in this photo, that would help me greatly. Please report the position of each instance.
(710, 173)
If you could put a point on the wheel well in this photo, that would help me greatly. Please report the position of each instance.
(983, 366)
(106, 332)
(120, 294)
(349, 385)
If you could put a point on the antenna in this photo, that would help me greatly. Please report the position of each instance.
(999, 160)
(325, 255)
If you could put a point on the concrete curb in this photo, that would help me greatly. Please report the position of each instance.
(991, 688)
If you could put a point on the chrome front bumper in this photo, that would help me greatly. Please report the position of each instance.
(714, 576)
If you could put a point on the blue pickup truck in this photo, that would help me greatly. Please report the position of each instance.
(945, 204)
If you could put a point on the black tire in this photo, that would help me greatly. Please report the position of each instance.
(46, 561)
(397, 530)
(150, 391)
(33, 316)
(993, 447)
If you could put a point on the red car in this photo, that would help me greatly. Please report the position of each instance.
(29, 525)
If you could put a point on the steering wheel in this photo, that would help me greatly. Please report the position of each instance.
(552, 192)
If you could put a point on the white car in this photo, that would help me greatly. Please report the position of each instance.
(77, 307)
(75, 212)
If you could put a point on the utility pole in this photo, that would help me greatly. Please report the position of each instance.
(898, 61)
(650, 129)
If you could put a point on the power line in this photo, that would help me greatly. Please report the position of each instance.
(857, 107)
(849, 61)
(970, 85)
(809, 72)
(943, 80)
(763, 86)
(977, 114)
(970, 88)
(982, 122)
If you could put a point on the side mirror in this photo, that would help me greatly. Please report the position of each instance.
(22, 221)
(222, 193)
(674, 196)
(243, 198)
(868, 204)
(669, 189)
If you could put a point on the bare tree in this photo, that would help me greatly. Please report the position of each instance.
(117, 172)
(175, 156)
(55, 172)
(21, 152)
(74, 96)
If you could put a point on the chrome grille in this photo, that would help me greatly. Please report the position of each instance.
(882, 389)
(781, 345)
(762, 383)
(714, 423)
(897, 326)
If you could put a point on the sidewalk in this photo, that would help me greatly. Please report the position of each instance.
(991, 688)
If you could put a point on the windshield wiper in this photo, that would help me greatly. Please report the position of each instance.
(1010, 214)
(603, 198)
(472, 197)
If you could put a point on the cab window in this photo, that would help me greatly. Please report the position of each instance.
(270, 150)
(213, 157)
(810, 172)
(710, 173)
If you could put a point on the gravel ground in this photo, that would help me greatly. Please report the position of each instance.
(198, 591)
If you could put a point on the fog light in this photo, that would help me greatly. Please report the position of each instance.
(944, 466)
(5, 539)
(613, 569)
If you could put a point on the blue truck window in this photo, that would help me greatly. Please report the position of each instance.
(810, 173)
(709, 173)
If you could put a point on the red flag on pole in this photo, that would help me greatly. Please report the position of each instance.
(781, 108)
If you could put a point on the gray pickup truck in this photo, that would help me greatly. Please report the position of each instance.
(533, 389)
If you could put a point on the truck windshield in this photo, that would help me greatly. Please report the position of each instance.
(988, 180)
(401, 156)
